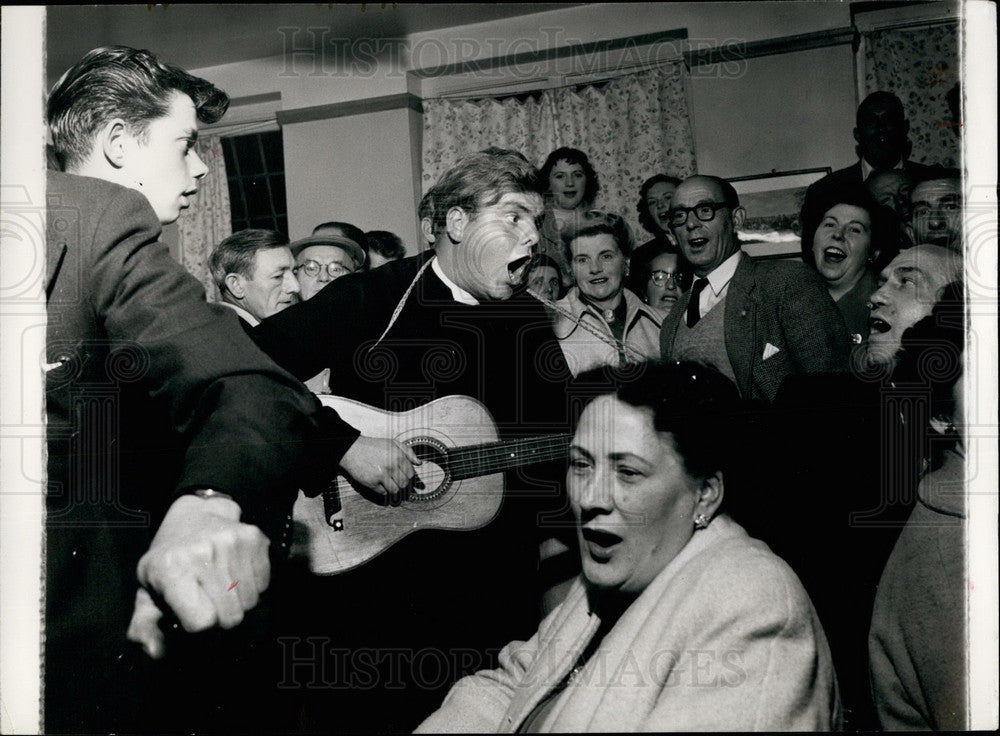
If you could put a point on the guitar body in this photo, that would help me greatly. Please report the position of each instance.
(338, 539)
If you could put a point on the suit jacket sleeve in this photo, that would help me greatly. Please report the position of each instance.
(247, 425)
(312, 335)
(813, 326)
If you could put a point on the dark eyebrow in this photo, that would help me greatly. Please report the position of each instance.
(577, 448)
(629, 456)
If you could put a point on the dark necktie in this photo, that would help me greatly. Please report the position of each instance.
(693, 312)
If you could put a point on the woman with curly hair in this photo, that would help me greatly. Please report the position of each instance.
(571, 186)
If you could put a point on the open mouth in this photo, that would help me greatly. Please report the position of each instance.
(598, 281)
(518, 270)
(697, 242)
(600, 542)
(879, 325)
(833, 254)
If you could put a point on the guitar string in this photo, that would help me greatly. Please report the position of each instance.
(497, 456)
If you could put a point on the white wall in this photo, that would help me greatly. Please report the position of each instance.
(356, 169)
(785, 112)
(782, 112)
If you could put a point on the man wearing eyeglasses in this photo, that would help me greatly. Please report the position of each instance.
(320, 259)
(756, 321)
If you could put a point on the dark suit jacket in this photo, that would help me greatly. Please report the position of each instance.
(458, 594)
(850, 177)
(150, 392)
(780, 303)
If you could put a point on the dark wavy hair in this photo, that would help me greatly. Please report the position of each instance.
(695, 403)
(386, 244)
(885, 227)
(645, 217)
(572, 156)
(120, 82)
(480, 180)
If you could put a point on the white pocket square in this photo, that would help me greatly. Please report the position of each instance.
(770, 350)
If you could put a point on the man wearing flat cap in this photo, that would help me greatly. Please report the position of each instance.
(319, 259)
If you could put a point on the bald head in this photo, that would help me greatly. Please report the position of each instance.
(908, 289)
(706, 241)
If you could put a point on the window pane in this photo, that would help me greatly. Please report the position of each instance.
(282, 225)
(248, 152)
(236, 200)
(274, 155)
(278, 194)
(264, 223)
(258, 201)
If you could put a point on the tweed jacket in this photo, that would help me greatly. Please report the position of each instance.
(723, 639)
(584, 350)
(779, 320)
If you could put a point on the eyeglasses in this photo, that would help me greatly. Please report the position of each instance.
(677, 280)
(704, 212)
(334, 270)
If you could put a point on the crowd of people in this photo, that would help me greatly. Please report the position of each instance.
(757, 525)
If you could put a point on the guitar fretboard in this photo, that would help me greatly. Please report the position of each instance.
(473, 461)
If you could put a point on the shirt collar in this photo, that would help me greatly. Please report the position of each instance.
(244, 314)
(723, 273)
(457, 293)
(866, 168)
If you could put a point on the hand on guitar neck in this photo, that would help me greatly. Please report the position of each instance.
(383, 467)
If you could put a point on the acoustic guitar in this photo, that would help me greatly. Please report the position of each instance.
(461, 481)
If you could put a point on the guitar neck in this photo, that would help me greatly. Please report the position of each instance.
(474, 461)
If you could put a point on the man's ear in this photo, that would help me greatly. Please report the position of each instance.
(857, 136)
(114, 142)
(455, 223)
(739, 215)
(235, 285)
(427, 229)
(710, 495)
(908, 229)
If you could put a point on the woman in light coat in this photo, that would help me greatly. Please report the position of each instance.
(680, 621)
(599, 321)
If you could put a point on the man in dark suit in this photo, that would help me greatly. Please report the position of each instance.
(756, 321)
(162, 416)
(404, 626)
(881, 132)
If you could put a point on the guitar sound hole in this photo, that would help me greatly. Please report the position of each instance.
(433, 472)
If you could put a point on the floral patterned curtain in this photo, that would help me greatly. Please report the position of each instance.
(208, 219)
(631, 127)
(919, 65)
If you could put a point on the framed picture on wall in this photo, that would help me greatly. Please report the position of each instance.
(772, 228)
